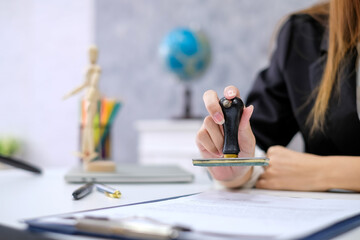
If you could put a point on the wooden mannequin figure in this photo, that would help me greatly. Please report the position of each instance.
(91, 98)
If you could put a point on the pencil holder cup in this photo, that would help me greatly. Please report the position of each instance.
(101, 140)
(97, 127)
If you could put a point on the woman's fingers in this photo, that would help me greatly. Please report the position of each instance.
(245, 118)
(212, 105)
(228, 173)
(205, 143)
(230, 92)
(210, 138)
(245, 135)
(215, 133)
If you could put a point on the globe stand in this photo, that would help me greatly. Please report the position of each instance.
(187, 105)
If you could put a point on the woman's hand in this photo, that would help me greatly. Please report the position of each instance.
(290, 170)
(210, 138)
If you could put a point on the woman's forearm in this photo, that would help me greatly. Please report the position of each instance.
(296, 171)
(342, 172)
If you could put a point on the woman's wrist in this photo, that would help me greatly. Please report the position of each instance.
(336, 172)
(342, 172)
(327, 173)
(322, 172)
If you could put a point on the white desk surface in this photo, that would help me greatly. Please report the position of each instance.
(25, 195)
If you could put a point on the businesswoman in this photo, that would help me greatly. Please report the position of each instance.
(310, 87)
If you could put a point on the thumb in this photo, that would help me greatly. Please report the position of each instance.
(245, 135)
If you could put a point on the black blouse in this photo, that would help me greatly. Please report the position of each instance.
(281, 91)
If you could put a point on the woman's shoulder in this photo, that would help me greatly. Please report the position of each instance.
(304, 18)
(305, 23)
(299, 38)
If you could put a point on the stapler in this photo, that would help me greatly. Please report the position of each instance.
(232, 110)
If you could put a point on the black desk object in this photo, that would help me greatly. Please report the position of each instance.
(19, 164)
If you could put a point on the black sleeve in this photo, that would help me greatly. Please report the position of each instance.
(273, 122)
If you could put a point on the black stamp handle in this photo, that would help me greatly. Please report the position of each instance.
(232, 110)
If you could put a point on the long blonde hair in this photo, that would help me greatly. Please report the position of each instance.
(343, 20)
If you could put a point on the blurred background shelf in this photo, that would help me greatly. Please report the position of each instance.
(168, 141)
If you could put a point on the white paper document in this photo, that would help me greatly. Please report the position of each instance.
(243, 214)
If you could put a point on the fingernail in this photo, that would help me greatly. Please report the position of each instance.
(252, 109)
(231, 93)
(218, 118)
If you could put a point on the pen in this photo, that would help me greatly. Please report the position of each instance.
(19, 164)
(110, 192)
(138, 230)
(83, 191)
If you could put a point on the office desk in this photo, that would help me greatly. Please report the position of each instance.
(24, 195)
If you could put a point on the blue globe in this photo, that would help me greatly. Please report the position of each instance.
(186, 53)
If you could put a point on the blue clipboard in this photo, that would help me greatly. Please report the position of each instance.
(334, 230)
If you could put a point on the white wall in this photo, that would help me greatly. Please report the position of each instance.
(43, 54)
(129, 32)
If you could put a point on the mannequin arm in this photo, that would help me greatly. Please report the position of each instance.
(75, 91)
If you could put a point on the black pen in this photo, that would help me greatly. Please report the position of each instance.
(19, 164)
(83, 191)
